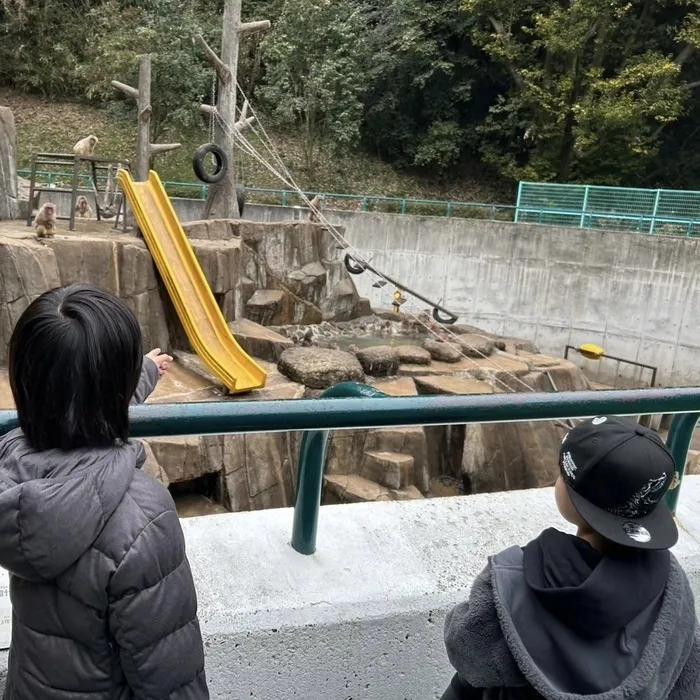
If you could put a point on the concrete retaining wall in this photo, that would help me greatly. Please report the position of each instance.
(363, 617)
(638, 296)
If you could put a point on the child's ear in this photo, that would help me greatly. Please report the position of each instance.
(564, 504)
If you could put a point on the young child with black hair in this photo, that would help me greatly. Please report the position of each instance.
(104, 604)
(607, 614)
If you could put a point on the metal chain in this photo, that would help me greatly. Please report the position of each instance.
(213, 104)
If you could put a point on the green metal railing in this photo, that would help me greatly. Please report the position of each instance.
(655, 212)
(288, 198)
(312, 462)
(158, 420)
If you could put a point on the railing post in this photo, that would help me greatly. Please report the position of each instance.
(516, 218)
(679, 438)
(403, 206)
(582, 223)
(312, 460)
(656, 211)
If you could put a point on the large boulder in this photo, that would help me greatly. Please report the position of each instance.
(379, 361)
(413, 355)
(474, 345)
(442, 352)
(259, 341)
(9, 196)
(319, 368)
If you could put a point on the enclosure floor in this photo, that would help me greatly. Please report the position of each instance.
(177, 386)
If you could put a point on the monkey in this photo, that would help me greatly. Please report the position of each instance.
(86, 146)
(315, 208)
(45, 221)
(82, 208)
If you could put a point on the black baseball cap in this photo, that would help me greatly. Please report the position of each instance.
(617, 473)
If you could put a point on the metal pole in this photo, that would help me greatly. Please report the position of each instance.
(656, 209)
(583, 208)
(312, 460)
(517, 203)
(679, 438)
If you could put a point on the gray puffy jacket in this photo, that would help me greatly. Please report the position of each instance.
(104, 605)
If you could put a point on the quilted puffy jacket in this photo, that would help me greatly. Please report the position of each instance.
(104, 605)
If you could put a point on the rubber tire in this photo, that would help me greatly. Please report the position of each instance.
(444, 320)
(352, 266)
(221, 164)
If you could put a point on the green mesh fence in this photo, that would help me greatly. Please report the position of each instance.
(659, 212)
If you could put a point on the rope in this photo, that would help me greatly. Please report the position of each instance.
(289, 181)
(286, 177)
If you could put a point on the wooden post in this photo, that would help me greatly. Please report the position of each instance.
(224, 194)
(143, 158)
(146, 149)
(222, 197)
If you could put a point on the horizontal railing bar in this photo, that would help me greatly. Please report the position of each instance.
(215, 418)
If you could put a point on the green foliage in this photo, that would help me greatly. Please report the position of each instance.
(420, 107)
(315, 60)
(180, 78)
(592, 84)
(601, 91)
(41, 44)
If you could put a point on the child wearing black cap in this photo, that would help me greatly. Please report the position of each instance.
(607, 614)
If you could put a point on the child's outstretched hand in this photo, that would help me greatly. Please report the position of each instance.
(162, 360)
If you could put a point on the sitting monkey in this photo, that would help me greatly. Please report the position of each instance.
(86, 146)
(82, 208)
(45, 221)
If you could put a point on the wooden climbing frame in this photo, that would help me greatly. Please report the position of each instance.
(95, 165)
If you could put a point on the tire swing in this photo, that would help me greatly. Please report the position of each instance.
(444, 320)
(220, 162)
(352, 266)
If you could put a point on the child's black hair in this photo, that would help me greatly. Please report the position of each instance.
(75, 362)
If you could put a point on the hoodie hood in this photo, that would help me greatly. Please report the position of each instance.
(536, 618)
(594, 595)
(593, 613)
(54, 504)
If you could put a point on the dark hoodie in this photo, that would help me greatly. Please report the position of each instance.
(104, 605)
(558, 620)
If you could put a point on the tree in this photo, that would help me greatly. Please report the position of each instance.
(420, 103)
(181, 79)
(315, 72)
(591, 85)
(42, 43)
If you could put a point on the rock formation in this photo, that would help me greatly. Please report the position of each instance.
(379, 361)
(289, 301)
(318, 368)
(441, 351)
(9, 193)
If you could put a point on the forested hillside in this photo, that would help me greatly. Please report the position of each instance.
(560, 90)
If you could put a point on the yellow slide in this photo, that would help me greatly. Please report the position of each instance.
(188, 288)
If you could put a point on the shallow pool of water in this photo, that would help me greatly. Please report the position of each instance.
(370, 341)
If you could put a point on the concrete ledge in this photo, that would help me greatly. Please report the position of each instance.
(363, 617)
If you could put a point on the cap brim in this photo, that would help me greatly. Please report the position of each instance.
(655, 531)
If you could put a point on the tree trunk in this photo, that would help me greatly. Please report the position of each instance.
(143, 158)
(223, 195)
